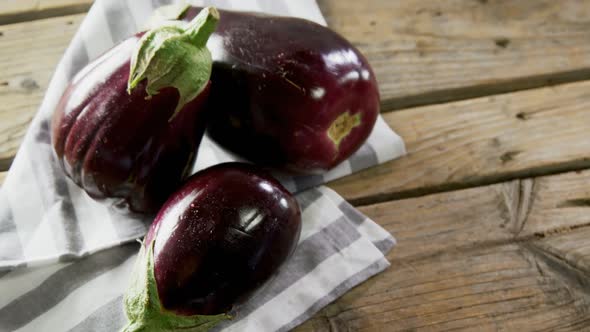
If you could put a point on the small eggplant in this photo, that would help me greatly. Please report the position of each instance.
(287, 92)
(216, 240)
(129, 124)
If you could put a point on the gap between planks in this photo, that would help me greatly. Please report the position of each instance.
(29, 10)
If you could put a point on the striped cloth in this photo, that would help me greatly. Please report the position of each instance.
(65, 259)
(339, 248)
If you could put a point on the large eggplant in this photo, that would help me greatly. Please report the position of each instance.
(216, 240)
(129, 124)
(287, 92)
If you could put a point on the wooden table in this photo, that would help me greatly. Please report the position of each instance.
(491, 206)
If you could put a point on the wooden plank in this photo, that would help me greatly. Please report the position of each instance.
(527, 209)
(480, 141)
(560, 203)
(486, 258)
(501, 288)
(431, 51)
(29, 54)
(12, 11)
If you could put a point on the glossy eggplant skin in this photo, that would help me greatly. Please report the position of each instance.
(125, 146)
(220, 237)
(281, 85)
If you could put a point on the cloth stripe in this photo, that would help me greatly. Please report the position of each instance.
(286, 306)
(306, 182)
(109, 317)
(273, 6)
(310, 197)
(73, 240)
(385, 245)
(61, 215)
(120, 22)
(95, 43)
(308, 255)
(353, 214)
(20, 281)
(380, 265)
(158, 3)
(10, 246)
(57, 286)
(76, 306)
(79, 58)
(365, 157)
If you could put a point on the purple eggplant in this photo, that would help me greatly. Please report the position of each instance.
(129, 124)
(216, 240)
(287, 92)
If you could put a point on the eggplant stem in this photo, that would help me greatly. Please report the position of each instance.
(202, 26)
(175, 56)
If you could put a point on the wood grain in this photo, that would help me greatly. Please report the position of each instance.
(431, 51)
(571, 252)
(500, 288)
(480, 141)
(489, 258)
(29, 54)
(523, 209)
(560, 203)
(12, 11)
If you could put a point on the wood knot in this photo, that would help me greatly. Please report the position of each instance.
(502, 42)
(29, 84)
(522, 116)
(509, 156)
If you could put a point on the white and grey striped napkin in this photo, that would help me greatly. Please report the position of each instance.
(65, 259)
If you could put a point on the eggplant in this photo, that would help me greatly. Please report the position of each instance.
(214, 242)
(287, 92)
(129, 124)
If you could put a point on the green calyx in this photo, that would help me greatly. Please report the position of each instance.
(143, 308)
(175, 55)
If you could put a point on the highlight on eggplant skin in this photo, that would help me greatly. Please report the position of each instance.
(131, 143)
(287, 92)
(221, 236)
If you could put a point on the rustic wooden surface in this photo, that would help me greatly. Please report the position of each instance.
(511, 256)
(26, 10)
(491, 205)
(30, 51)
